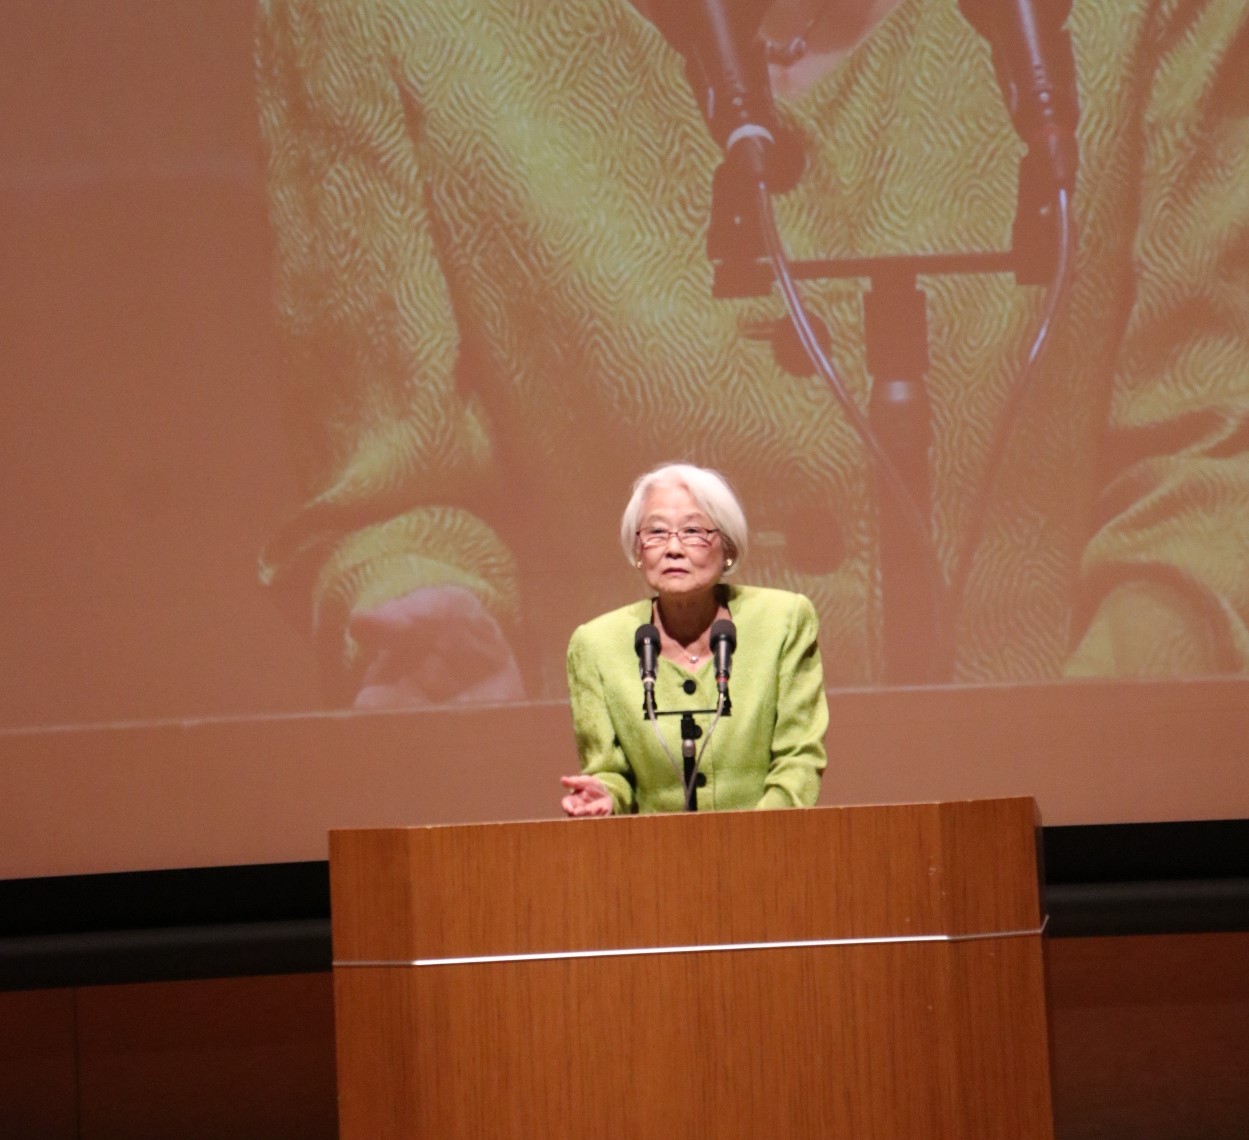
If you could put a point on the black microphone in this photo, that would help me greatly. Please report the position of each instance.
(727, 68)
(726, 64)
(723, 642)
(1036, 70)
(646, 646)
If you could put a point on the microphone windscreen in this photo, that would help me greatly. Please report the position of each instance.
(723, 630)
(646, 632)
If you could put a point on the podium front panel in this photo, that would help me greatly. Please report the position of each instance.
(858, 971)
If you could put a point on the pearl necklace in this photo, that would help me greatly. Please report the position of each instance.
(693, 658)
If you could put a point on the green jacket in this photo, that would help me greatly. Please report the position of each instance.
(769, 752)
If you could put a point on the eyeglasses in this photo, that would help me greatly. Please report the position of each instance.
(654, 536)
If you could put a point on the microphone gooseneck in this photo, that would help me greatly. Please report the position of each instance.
(726, 65)
(1035, 66)
(723, 643)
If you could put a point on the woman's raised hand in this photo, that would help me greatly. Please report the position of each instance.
(586, 795)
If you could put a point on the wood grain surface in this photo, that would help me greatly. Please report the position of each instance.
(672, 880)
(882, 1040)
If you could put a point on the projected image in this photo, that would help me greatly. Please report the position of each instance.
(499, 306)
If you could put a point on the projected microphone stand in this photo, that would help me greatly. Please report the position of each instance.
(917, 640)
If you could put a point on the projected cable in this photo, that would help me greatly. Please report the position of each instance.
(1056, 295)
(940, 652)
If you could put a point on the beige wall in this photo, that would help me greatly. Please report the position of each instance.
(266, 790)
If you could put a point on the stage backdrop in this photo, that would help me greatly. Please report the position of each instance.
(309, 307)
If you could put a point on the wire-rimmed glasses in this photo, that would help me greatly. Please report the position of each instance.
(688, 536)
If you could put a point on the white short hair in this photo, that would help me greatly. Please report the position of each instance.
(709, 489)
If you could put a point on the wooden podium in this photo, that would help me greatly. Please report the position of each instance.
(862, 972)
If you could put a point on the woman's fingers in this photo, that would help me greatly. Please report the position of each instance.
(586, 796)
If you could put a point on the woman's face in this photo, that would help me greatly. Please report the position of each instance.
(673, 569)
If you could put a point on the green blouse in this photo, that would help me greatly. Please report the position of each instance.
(768, 752)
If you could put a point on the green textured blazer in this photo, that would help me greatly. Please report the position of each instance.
(769, 752)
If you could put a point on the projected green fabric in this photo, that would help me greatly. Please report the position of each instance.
(496, 299)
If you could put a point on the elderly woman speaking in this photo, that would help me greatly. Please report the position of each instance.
(656, 726)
